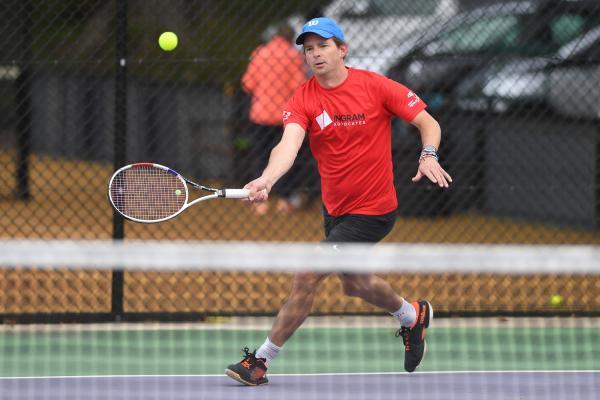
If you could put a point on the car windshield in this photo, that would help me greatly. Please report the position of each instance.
(390, 8)
(587, 43)
(509, 33)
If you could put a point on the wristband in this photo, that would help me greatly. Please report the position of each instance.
(429, 151)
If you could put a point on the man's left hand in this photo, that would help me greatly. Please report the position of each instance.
(432, 169)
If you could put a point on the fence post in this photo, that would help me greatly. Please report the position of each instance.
(597, 178)
(23, 99)
(120, 142)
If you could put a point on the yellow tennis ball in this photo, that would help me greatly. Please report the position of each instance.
(177, 192)
(168, 41)
(556, 300)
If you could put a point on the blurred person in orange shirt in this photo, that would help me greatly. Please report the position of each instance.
(275, 71)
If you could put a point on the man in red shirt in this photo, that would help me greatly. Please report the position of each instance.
(347, 113)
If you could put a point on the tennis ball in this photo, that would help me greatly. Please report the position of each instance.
(167, 41)
(556, 300)
(177, 192)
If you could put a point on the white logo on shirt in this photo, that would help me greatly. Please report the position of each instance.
(323, 119)
(415, 99)
(413, 102)
(286, 115)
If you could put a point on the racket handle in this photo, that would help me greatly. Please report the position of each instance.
(236, 193)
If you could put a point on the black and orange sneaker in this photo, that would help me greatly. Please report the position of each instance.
(251, 371)
(414, 337)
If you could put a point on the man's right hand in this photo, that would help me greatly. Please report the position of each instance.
(259, 189)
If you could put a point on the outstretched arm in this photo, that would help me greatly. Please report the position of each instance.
(431, 135)
(282, 158)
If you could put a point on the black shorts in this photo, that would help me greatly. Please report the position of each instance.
(358, 228)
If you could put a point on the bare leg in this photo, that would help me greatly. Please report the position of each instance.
(373, 290)
(296, 308)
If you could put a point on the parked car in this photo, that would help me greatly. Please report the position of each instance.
(489, 39)
(373, 28)
(574, 85)
(562, 80)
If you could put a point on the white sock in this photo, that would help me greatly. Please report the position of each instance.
(268, 350)
(406, 314)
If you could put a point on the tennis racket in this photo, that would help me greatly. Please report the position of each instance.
(149, 193)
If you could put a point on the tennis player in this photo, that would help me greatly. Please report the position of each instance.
(347, 113)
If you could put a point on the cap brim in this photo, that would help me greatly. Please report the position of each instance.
(323, 34)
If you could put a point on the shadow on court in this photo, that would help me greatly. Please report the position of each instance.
(576, 385)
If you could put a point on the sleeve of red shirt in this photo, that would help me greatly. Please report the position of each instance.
(294, 111)
(400, 100)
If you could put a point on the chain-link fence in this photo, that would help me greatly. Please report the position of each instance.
(512, 84)
(85, 88)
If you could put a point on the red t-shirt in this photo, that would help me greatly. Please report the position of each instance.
(350, 137)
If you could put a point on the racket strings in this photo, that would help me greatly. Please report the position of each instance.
(148, 193)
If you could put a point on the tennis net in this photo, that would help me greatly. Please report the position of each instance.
(510, 321)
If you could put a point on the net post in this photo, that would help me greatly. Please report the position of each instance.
(120, 143)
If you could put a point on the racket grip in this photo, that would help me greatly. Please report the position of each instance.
(236, 193)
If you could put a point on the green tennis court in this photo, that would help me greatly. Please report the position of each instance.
(565, 344)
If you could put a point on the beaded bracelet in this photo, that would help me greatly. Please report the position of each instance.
(428, 151)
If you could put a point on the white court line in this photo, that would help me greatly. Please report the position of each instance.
(314, 374)
(262, 323)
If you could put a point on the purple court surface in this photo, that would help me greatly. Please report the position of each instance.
(568, 385)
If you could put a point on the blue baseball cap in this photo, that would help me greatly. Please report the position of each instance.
(322, 26)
